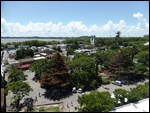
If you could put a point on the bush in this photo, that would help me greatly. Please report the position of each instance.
(105, 80)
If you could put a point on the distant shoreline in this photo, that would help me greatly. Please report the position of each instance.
(10, 40)
(34, 37)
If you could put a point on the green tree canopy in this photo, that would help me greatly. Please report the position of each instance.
(120, 95)
(16, 75)
(83, 71)
(19, 89)
(139, 93)
(143, 57)
(95, 102)
(39, 66)
(24, 53)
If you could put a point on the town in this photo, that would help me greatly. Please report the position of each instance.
(89, 74)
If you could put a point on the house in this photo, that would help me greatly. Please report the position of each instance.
(26, 60)
(23, 46)
(10, 47)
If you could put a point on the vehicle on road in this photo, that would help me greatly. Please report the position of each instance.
(74, 90)
(118, 83)
(80, 90)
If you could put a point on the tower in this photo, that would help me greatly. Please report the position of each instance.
(92, 40)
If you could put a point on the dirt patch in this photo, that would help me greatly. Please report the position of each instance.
(108, 74)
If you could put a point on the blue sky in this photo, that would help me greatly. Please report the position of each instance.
(74, 18)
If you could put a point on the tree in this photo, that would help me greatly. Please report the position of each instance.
(83, 71)
(16, 75)
(39, 66)
(70, 51)
(95, 102)
(138, 93)
(143, 57)
(102, 58)
(118, 34)
(57, 76)
(120, 61)
(120, 95)
(24, 53)
(133, 52)
(19, 89)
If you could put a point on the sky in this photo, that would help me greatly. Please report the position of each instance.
(74, 18)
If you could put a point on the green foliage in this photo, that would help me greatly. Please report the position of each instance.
(103, 57)
(95, 102)
(105, 80)
(24, 53)
(57, 49)
(114, 46)
(16, 75)
(19, 89)
(120, 61)
(83, 71)
(139, 93)
(120, 95)
(143, 57)
(70, 51)
(41, 65)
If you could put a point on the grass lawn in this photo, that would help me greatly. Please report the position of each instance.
(43, 109)
(54, 109)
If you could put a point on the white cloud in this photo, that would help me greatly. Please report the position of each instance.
(138, 15)
(75, 28)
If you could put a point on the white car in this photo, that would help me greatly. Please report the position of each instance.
(74, 90)
(118, 83)
(80, 90)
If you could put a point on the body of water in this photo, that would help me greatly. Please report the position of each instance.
(4, 41)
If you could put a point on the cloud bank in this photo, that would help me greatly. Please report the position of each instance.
(75, 28)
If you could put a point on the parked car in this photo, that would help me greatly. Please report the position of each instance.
(80, 90)
(124, 82)
(118, 83)
(74, 90)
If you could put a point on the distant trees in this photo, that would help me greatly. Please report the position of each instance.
(70, 51)
(95, 102)
(24, 53)
(118, 34)
(57, 49)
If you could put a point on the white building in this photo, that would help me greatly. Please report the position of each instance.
(92, 40)
(141, 106)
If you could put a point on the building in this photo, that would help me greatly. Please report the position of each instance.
(10, 47)
(23, 46)
(93, 40)
(141, 106)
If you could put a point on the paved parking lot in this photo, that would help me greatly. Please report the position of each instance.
(69, 102)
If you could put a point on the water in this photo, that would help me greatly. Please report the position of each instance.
(4, 41)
